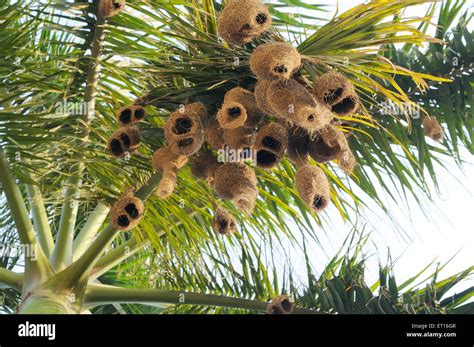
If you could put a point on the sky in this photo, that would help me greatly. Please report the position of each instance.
(446, 231)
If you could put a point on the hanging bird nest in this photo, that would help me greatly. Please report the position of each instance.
(298, 144)
(239, 109)
(239, 138)
(214, 135)
(224, 222)
(184, 129)
(237, 182)
(329, 145)
(313, 187)
(433, 129)
(126, 213)
(261, 90)
(347, 162)
(130, 114)
(109, 8)
(124, 141)
(275, 61)
(280, 305)
(337, 92)
(205, 166)
(164, 160)
(292, 101)
(241, 21)
(271, 143)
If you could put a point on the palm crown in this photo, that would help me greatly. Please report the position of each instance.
(60, 181)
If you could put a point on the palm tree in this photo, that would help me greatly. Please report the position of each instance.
(59, 181)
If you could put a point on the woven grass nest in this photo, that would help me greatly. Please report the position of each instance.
(205, 166)
(239, 109)
(271, 143)
(224, 222)
(241, 21)
(433, 129)
(130, 114)
(275, 61)
(337, 92)
(109, 8)
(124, 141)
(313, 187)
(184, 129)
(166, 161)
(126, 213)
(281, 304)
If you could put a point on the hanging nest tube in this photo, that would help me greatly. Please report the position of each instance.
(214, 135)
(126, 213)
(124, 141)
(275, 61)
(280, 305)
(271, 143)
(313, 187)
(167, 162)
(239, 109)
(337, 92)
(224, 222)
(433, 129)
(237, 182)
(241, 21)
(184, 130)
(298, 144)
(205, 166)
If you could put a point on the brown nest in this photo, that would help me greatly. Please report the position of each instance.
(261, 89)
(293, 101)
(313, 187)
(205, 166)
(329, 145)
(337, 92)
(224, 222)
(237, 182)
(241, 21)
(164, 160)
(433, 129)
(271, 143)
(298, 144)
(109, 8)
(280, 305)
(239, 109)
(184, 129)
(214, 135)
(275, 61)
(124, 141)
(239, 138)
(126, 213)
(130, 114)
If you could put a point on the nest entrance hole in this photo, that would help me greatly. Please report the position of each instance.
(186, 142)
(318, 203)
(139, 113)
(266, 158)
(286, 305)
(132, 210)
(261, 18)
(116, 147)
(280, 69)
(126, 116)
(183, 125)
(125, 139)
(123, 221)
(344, 107)
(234, 112)
(271, 142)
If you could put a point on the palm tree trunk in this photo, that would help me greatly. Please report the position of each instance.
(46, 303)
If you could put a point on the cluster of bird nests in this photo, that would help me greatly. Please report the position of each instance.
(280, 115)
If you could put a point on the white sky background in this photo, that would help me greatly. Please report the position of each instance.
(447, 230)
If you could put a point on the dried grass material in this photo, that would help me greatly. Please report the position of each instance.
(275, 61)
(298, 143)
(205, 166)
(293, 101)
(130, 114)
(109, 8)
(126, 213)
(271, 143)
(224, 222)
(329, 145)
(433, 129)
(214, 135)
(184, 129)
(169, 163)
(313, 187)
(240, 138)
(337, 92)
(237, 182)
(124, 141)
(347, 162)
(261, 89)
(280, 305)
(239, 109)
(241, 21)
